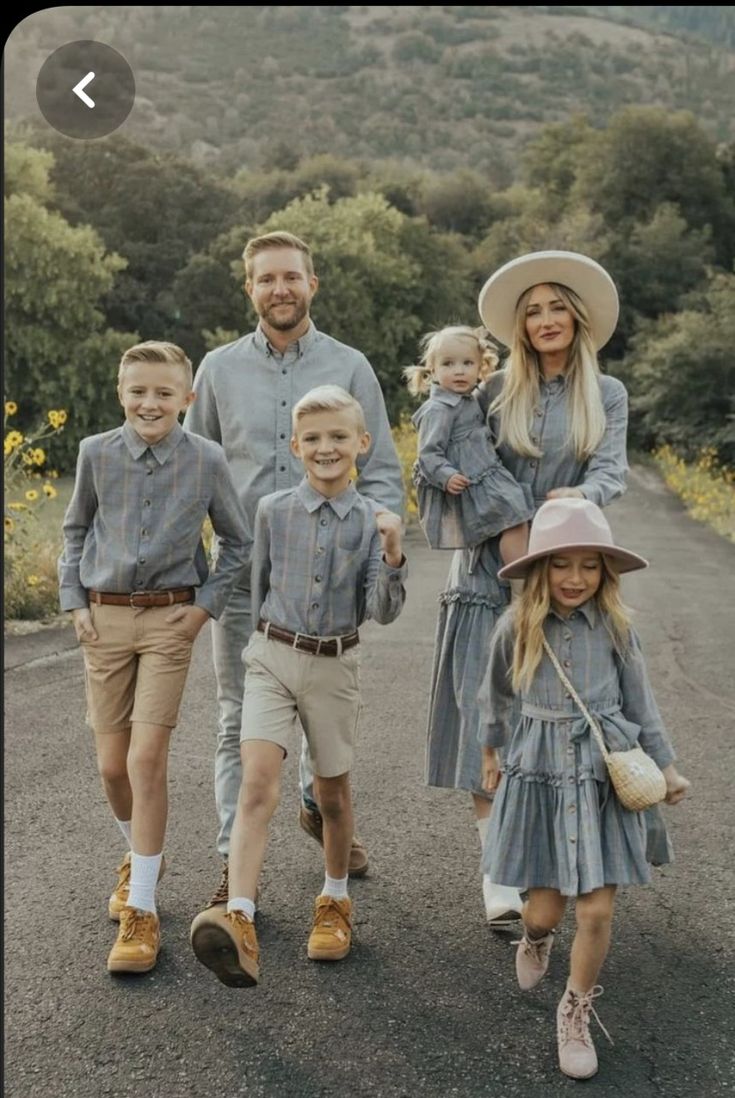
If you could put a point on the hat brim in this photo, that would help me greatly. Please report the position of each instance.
(591, 282)
(622, 559)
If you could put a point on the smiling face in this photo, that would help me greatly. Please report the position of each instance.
(153, 394)
(281, 289)
(549, 323)
(328, 443)
(456, 363)
(574, 578)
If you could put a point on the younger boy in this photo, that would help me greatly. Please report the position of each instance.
(323, 561)
(134, 574)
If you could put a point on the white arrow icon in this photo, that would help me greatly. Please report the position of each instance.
(78, 89)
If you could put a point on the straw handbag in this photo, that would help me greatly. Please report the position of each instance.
(635, 777)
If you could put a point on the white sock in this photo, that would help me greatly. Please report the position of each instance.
(242, 903)
(336, 887)
(482, 826)
(125, 826)
(144, 870)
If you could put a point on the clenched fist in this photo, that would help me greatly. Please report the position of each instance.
(390, 528)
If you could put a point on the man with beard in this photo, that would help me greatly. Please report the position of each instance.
(245, 393)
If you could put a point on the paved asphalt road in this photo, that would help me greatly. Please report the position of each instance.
(427, 1004)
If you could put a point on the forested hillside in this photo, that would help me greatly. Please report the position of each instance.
(252, 87)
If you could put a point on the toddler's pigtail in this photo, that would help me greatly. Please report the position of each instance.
(418, 379)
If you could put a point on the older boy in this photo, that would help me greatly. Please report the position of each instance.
(134, 574)
(325, 558)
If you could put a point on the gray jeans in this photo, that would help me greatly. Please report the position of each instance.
(229, 637)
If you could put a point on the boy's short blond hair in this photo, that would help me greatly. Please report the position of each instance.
(156, 351)
(328, 398)
(267, 242)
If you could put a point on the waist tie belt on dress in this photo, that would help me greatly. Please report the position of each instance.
(618, 733)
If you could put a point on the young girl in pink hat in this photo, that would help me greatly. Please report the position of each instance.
(557, 828)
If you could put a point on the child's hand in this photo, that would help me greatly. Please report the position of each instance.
(456, 484)
(490, 769)
(676, 785)
(83, 627)
(390, 528)
(192, 619)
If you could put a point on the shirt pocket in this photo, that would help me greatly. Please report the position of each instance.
(183, 520)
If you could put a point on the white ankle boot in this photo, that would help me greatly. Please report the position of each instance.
(503, 905)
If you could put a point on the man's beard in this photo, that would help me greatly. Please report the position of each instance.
(299, 309)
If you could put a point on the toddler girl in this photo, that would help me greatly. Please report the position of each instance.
(557, 828)
(465, 494)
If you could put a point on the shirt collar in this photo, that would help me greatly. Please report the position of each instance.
(301, 345)
(588, 611)
(558, 382)
(313, 500)
(444, 395)
(161, 451)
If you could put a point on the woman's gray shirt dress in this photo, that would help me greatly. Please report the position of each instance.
(474, 599)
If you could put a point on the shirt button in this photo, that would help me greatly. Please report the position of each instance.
(567, 663)
(567, 636)
(567, 694)
(149, 472)
(322, 522)
(572, 839)
(320, 549)
(572, 808)
(538, 411)
(315, 605)
(141, 560)
(144, 533)
(282, 436)
(532, 464)
(573, 615)
(283, 468)
(534, 438)
(283, 403)
(317, 579)
(146, 503)
(284, 372)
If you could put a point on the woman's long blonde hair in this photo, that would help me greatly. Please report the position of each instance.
(520, 395)
(419, 378)
(532, 608)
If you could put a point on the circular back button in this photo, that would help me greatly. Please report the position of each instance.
(85, 89)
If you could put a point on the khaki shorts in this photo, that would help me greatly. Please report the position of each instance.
(283, 685)
(136, 669)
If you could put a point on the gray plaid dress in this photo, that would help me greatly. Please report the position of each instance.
(455, 438)
(556, 822)
(473, 598)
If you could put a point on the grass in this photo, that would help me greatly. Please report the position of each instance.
(706, 488)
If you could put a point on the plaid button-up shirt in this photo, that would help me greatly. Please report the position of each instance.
(318, 567)
(246, 392)
(134, 522)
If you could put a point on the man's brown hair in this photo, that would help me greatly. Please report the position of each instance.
(275, 240)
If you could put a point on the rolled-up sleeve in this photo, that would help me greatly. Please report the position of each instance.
(385, 591)
(496, 697)
(639, 704)
(605, 472)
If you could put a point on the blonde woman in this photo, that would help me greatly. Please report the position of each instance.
(558, 829)
(560, 430)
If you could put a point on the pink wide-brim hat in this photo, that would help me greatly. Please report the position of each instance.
(565, 524)
(590, 282)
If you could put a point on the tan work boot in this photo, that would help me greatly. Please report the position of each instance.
(577, 1055)
(226, 943)
(311, 822)
(119, 898)
(331, 934)
(138, 942)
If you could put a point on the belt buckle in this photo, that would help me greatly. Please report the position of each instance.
(295, 642)
(135, 595)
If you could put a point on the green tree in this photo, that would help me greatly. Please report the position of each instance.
(58, 354)
(680, 373)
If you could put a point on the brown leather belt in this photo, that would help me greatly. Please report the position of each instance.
(142, 599)
(303, 642)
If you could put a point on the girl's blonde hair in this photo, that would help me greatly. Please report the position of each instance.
(532, 608)
(418, 378)
(521, 393)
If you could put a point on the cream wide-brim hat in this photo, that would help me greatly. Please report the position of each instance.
(591, 282)
(567, 524)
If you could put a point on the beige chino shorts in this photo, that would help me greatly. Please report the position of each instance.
(136, 669)
(283, 685)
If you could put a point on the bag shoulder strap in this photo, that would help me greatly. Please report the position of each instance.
(582, 707)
